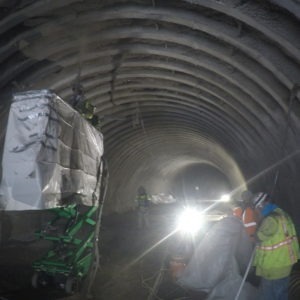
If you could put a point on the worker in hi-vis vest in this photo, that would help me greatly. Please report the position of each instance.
(247, 214)
(143, 205)
(277, 249)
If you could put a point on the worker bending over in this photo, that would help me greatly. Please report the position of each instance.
(247, 214)
(220, 260)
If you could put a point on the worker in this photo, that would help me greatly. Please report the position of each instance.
(143, 204)
(238, 212)
(78, 96)
(220, 260)
(87, 110)
(277, 249)
(82, 105)
(95, 121)
(247, 214)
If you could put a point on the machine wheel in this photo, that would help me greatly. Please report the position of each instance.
(71, 285)
(38, 280)
(35, 280)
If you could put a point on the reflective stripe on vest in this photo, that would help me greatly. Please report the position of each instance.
(287, 241)
(280, 249)
(250, 224)
(285, 230)
(249, 221)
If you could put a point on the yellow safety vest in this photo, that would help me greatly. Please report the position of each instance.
(279, 248)
(143, 201)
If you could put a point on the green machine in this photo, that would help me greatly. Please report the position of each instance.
(53, 162)
(70, 259)
(74, 232)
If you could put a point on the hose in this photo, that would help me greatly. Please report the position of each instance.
(245, 275)
(103, 190)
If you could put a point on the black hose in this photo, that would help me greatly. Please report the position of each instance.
(103, 189)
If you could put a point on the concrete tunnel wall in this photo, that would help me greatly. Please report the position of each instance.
(175, 84)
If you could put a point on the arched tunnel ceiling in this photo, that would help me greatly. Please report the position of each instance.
(174, 83)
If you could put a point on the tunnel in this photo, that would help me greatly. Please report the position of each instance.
(195, 98)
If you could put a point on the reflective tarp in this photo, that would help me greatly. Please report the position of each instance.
(219, 262)
(51, 156)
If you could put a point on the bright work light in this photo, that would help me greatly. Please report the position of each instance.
(190, 221)
(225, 198)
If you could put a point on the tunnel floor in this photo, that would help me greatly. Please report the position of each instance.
(131, 267)
(133, 263)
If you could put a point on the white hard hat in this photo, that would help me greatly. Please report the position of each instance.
(259, 199)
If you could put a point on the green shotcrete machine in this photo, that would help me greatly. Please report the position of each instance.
(71, 258)
(53, 161)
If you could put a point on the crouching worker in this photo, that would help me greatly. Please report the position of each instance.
(220, 260)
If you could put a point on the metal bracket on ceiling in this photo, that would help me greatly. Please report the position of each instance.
(240, 28)
(295, 92)
(117, 61)
(137, 120)
(78, 95)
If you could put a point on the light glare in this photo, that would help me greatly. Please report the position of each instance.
(225, 198)
(190, 221)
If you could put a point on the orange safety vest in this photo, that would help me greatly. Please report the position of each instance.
(249, 219)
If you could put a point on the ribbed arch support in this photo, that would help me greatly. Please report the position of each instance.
(188, 73)
(156, 156)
